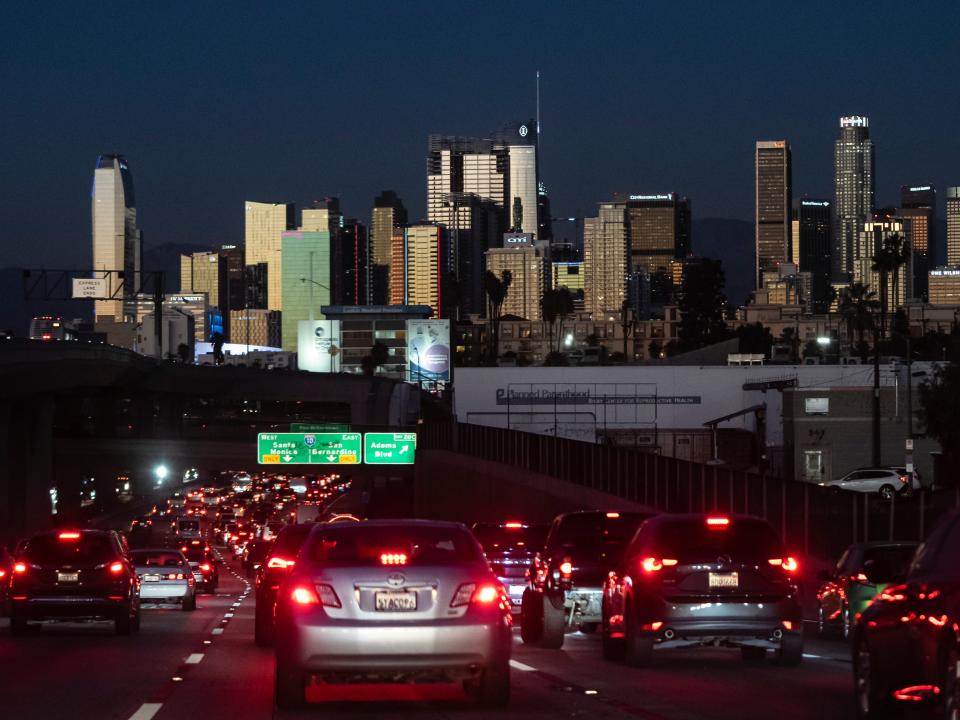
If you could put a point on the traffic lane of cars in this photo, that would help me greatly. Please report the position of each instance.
(71, 670)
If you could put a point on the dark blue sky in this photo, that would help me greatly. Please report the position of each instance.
(215, 103)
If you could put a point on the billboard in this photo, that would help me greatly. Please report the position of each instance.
(318, 345)
(428, 350)
(97, 288)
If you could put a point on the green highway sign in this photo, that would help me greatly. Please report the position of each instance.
(309, 448)
(321, 427)
(389, 448)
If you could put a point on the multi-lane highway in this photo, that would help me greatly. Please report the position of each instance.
(204, 664)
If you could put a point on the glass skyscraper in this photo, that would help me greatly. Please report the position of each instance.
(305, 280)
(773, 205)
(814, 244)
(264, 223)
(853, 162)
(117, 241)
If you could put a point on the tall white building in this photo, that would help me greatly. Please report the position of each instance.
(117, 241)
(605, 260)
(953, 226)
(853, 162)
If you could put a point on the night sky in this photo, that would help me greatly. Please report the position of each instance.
(216, 103)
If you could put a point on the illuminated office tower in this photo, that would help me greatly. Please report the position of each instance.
(305, 281)
(870, 240)
(813, 243)
(658, 230)
(206, 272)
(853, 164)
(605, 260)
(944, 285)
(233, 256)
(388, 215)
(918, 206)
(264, 223)
(773, 204)
(426, 262)
(117, 241)
(525, 264)
(953, 226)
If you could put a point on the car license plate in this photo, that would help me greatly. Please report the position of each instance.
(724, 580)
(395, 601)
(151, 578)
(517, 589)
(68, 577)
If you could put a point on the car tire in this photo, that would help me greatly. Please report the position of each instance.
(531, 616)
(870, 703)
(189, 603)
(637, 645)
(790, 652)
(492, 689)
(589, 628)
(554, 621)
(753, 654)
(288, 686)
(18, 625)
(612, 647)
(123, 623)
(887, 493)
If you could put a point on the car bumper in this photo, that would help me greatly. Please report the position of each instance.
(726, 620)
(56, 607)
(164, 590)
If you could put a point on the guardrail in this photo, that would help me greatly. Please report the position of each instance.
(811, 519)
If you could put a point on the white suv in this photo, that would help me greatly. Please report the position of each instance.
(886, 482)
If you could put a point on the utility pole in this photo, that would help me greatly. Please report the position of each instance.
(908, 445)
(875, 460)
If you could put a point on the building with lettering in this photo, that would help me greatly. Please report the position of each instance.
(853, 163)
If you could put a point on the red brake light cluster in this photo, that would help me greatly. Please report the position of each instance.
(280, 563)
(116, 568)
(392, 558)
(718, 523)
(652, 565)
(788, 563)
(19, 568)
(513, 525)
(613, 515)
(69, 535)
(320, 595)
(566, 567)
(484, 594)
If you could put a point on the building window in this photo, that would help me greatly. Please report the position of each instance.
(816, 406)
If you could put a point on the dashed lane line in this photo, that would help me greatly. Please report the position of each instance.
(146, 711)
(517, 665)
(194, 658)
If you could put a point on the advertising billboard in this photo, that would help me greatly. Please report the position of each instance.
(318, 345)
(428, 350)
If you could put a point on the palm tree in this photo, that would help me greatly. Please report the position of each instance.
(555, 305)
(888, 260)
(858, 304)
(496, 289)
(900, 252)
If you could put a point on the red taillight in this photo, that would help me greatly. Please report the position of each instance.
(3, 573)
(19, 568)
(486, 594)
(897, 593)
(116, 568)
(566, 567)
(303, 595)
(69, 535)
(718, 523)
(205, 567)
(175, 576)
(860, 578)
(613, 515)
(393, 558)
(652, 564)
(280, 563)
(467, 593)
(513, 525)
(789, 564)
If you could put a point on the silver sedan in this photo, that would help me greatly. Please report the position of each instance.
(385, 600)
(165, 576)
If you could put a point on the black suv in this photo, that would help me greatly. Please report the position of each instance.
(691, 580)
(75, 575)
(510, 548)
(566, 586)
(275, 568)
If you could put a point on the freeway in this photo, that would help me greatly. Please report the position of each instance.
(205, 665)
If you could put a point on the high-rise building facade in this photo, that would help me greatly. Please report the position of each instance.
(953, 226)
(233, 255)
(264, 223)
(255, 326)
(206, 272)
(117, 241)
(853, 163)
(388, 215)
(569, 274)
(255, 286)
(658, 228)
(870, 241)
(355, 268)
(305, 283)
(774, 200)
(605, 260)
(426, 262)
(944, 286)
(918, 206)
(525, 265)
(813, 223)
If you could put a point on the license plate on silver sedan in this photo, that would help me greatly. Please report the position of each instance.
(68, 577)
(151, 578)
(395, 601)
(724, 580)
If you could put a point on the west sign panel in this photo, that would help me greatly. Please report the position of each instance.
(309, 448)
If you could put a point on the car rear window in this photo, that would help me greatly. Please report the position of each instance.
(496, 537)
(693, 540)
(156, 559)
(290, 540)
(50, 549)
(589, 532)
(189, 524)
(887, 564)
(418, 545)
(196, 554)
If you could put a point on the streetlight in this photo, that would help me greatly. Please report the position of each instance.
(161, 472)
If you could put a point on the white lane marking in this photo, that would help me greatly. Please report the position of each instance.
(228, 615)
(812, 657)
(146, 711)
(516, 665)
(217, 631)
(194, 658)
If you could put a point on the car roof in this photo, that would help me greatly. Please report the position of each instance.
(175, 551)
(406, 522)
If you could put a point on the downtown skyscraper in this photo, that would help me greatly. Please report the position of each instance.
(388, 215)
(264, 224)
(117, 241)
(953, 226)
(774, 200)
(853, 163)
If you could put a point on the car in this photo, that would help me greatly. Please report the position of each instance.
(206, 567)
(510, 548)
(566, 587)
(690, 580)
(916, 478)
(187, 528)
(75, 575)
(885, 482)
(276, 566)
(165, 576)
(254, 554)
(6, 571)
(906, 646)
(393, 600)
(863, 571)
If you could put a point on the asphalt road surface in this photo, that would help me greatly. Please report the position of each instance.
(204, 664)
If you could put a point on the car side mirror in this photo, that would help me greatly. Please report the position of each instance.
(824, 575)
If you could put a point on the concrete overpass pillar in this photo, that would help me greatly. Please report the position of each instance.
(26, 475)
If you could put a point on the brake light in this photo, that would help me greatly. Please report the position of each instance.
(566, 567)
(789, 564)
(893, 594)
(651, 565)
(903, 479)
(613, 515)
(486, 594)
(205, 567)
(69, 535)
(3, 573)
(303, 595)
(116, 568)
(718, 523)
(513, 525)
(280, 563)
(393, 558)
(175, 576)
(788, 625)
(328, 596)
(19, 568)
(470, 592)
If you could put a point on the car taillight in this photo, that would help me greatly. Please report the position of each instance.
(652, 564)
(205, 567)
(393, 558)
(860, 578)
(788, 563)
(897, 593)
(175, 576)
(328, 596)
(304, 595)
(718, 523)
(19, 568)
(116, 568)
(903, 479)
(613, 515)
(513, 525)
(566, 567)
(69, 535)
(280, 563)
(485, 594)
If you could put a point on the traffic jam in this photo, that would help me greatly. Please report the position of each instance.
(348, 600)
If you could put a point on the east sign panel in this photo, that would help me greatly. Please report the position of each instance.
(336, 448)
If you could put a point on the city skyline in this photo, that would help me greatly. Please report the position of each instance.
(690, 131)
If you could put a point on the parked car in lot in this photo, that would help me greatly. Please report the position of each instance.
(510, 548)
(863, 571)
(165, 576)
(566, 589)
(389, 601)
(695, 580)
(75, 575)
(885, 482)
(906, 647)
